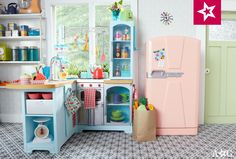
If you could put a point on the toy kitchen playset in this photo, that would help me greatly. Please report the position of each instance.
(55, 108)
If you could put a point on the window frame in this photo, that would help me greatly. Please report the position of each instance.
(50, 14)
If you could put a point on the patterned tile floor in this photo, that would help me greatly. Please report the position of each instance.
(89, 145)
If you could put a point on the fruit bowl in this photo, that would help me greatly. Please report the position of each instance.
(35, 95)
(47, 95)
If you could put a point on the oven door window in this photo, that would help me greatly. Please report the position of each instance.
(98, 96)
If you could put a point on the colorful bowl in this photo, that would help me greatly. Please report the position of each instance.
(34, 95)
(116, 113)
(47, 95)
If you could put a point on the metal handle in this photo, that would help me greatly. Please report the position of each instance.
(164, 74)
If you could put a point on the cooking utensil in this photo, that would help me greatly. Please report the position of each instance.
(11, 8)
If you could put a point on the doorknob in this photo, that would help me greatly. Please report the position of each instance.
(207, 71)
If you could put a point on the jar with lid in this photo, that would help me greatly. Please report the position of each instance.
(124, 53)
(23, 53)
(33, 53)
(118, 51)
(118, 35)
(15, 53)
(117, 71)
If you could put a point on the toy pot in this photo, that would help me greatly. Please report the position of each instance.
(97, 73)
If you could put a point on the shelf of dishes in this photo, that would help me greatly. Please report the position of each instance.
(119, 115)
(19, 53)
(13, 30)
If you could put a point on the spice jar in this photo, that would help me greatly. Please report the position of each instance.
(15, 53)
(124, 53)
(118, 35)
(118, 51)
(24, 30)
(117, 71)
(23, 53)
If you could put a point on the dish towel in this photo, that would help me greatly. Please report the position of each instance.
(89, 98)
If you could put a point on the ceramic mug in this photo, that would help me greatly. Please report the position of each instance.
(116, 99)
(110, 98)
(124, 97)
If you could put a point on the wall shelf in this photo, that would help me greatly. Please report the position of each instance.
(20, 38)
(19, 62)
(21, 16)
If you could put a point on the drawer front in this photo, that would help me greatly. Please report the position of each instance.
(39, 106)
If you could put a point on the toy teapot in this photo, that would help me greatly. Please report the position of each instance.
(11, 9)
(97, 73)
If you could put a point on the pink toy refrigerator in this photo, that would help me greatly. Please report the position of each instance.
(172, 83)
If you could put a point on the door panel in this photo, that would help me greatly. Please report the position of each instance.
(231, 80)
(220, 100)
(213, 80)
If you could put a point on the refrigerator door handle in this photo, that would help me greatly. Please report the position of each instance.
(163, 74)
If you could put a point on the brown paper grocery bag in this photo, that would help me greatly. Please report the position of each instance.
(144, 125)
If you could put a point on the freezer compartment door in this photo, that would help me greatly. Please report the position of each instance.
(175, 100)
(172, 54)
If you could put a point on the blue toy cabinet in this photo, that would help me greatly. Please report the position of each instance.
(54, 116)
(118, 105)
(121, 48)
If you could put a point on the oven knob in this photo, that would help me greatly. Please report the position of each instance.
(99, 85)
(90, 85)
(82, 85)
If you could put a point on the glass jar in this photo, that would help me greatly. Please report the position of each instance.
(23, 53)
(33, 53)
(118, 51)
(15, 53)
(117, 71)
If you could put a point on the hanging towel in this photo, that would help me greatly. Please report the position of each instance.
(89, 98)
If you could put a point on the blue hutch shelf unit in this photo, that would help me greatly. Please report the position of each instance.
(60, 122)
(118, 97)
(121, 48)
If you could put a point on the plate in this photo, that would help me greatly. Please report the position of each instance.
(117, 119)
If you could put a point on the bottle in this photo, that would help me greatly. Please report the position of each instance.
(117, 71)
(118, 51)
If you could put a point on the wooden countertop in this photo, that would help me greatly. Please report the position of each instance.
(46, 85)
(118, 81)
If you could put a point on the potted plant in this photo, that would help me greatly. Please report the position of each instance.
(105, 68)
(116, 9)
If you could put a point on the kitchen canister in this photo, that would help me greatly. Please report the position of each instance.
(24, 30)
(15, 53)
(23, 53)
(33, 53)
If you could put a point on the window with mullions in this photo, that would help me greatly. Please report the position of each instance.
(73, 26)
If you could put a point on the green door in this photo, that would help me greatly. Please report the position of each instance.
(220, 99)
